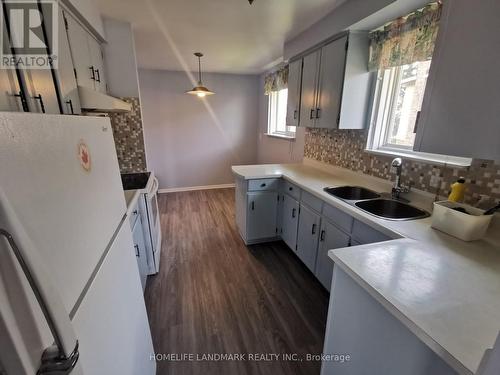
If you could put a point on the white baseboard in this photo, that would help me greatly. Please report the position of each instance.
(193, 188)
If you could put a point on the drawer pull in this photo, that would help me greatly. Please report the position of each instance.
(290, 188)
(313, 230)
(135, 212)
(322, 236)
(263, 185)
(293, 212)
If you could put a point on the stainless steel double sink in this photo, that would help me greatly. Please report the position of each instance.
(375, 204)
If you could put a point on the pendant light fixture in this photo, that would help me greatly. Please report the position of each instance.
(199, 90)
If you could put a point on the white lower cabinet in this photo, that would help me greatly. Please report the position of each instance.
(308, 236)
(290, 221)
(262, 213)
(140, 251)
(330, 238)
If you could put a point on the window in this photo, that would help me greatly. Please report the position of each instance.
(276, 122)
(398, 100)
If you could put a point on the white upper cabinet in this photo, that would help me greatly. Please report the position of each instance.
(11, 95)
(336, 84)
(294, 88)
(86, 55)
(98, 65)
(65, 72)
(461, 111)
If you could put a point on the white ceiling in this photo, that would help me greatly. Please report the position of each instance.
(235, 37)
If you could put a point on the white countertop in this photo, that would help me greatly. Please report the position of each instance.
(446, 291)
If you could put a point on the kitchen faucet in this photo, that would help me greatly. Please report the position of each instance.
(398, 187)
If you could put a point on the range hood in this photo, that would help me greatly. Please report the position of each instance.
(94, 101)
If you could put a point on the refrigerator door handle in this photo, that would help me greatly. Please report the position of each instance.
(54, 361)
(62, 356)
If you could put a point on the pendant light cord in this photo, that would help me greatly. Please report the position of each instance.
(199, 70)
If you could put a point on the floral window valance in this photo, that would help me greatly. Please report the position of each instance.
(276, 81)
(406, 40)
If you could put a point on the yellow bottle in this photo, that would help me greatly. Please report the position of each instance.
(457, 191)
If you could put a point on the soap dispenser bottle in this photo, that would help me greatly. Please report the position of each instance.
(457, 191)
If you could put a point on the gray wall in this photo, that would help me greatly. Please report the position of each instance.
(339, 19)
(120, 59)
(192, 142)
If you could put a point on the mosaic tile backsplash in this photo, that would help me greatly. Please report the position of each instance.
(345, 148)
(129, 138)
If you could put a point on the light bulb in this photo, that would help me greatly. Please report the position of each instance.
(200, 94)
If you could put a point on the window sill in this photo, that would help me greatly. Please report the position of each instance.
(435, 159)
(281, 136)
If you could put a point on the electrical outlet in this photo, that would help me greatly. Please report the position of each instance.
(435, 181)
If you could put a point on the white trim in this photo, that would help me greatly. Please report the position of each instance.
(424, 157)
(194, 188)
(282, 136)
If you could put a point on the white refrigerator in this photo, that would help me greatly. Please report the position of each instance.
(70, 290)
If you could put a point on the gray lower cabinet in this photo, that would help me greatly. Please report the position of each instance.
(330, 238)
(290, 221)
(262, 209)
(140, 251)
(308, 236)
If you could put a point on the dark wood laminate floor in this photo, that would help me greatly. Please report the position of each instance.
(215, 295)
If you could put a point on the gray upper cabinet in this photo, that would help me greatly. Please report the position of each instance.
(336, 84)
(461, 107)
(310, 73)
(330, 83)
(294, 88)
(290, 221)
(308, 236)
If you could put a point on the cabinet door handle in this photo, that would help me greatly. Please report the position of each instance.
(311, 114)
(98, 75)
(42, 106)
(295, 114)
(253, 206)
(135, 212)
(70, 102)
(322, 236)
(263, 185)
(24, 104)
(137, 254)
(294, 210)
(313, 230)
(318, 112)
(92, 73)
(290, 188)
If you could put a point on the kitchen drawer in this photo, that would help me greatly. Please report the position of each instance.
(263, 184)
(134, 215)
(311, 201)
(291, 189)
(338, 217)
(365, 234)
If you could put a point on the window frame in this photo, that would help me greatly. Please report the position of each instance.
(272, 111)
(379, 126)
